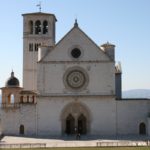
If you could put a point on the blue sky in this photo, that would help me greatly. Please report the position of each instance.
(124, 23)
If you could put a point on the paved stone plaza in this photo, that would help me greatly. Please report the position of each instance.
(72, 142)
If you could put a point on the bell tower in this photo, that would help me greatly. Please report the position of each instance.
(38, 30)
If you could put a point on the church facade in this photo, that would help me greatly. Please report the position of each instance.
(68, 87)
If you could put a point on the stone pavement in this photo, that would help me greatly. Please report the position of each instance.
(83, 142)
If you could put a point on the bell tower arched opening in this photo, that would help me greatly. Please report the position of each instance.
(31, 27)
(45, 27)
(38, 27)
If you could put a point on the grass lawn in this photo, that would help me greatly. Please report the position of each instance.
(111, 148)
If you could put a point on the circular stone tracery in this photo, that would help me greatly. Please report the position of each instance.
(76, 78)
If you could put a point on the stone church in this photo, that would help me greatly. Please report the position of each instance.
(70, 86)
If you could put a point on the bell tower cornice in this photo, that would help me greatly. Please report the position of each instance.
(39, 13)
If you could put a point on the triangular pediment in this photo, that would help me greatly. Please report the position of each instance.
(76, 38)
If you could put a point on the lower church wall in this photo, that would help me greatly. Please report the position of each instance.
(28, 119)
(103, 112)
(107, 116)
(101, 120)
(104, 116)
(13, 118)
(10, 121)
(49, 121)
(130, 114)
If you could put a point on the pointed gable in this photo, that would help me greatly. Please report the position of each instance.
(76, 38)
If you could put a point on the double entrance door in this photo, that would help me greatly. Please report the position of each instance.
(74, 126)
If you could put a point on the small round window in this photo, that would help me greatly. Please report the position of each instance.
(76, 53)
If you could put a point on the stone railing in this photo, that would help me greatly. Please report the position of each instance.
(10, 105)
(23, 145)
(123, 144)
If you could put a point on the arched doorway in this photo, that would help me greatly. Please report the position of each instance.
(70, 124)
(142, 129)
(82, 125)
(75, 117)
(21, 130)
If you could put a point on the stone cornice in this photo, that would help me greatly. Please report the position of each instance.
(76, 62)
(74, 95)
(35, 37)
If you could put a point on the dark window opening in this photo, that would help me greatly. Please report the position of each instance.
(76, 53)
(36, 46)
(33, 98)
(21, 130)
(142, 129)
(31, 47)
(31, 27)
(82, 124)
(70, 124)
(37, 27)
(45, 27)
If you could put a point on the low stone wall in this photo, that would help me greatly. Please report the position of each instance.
(123, 143)
(24, 145)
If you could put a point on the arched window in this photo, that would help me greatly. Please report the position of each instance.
(30, 47)
(31, 27)
(45, 27)
(21, 130)
(27, 99)
(37, 27)
(142, 128)
(11, 99)
(36, 46)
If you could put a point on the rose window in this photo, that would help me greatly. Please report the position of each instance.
(75, 78)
